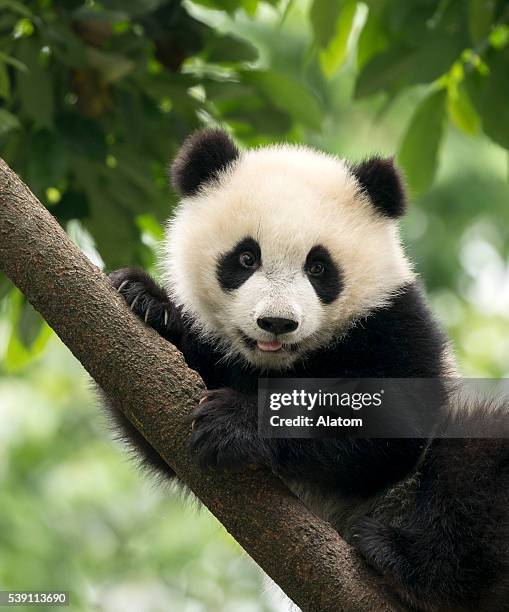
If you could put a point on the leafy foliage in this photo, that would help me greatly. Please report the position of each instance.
(97, 96)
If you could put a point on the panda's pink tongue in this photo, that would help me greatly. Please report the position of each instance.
(274, 345)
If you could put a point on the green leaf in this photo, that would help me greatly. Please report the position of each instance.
(324, 15)
(29, 333)
(372, 40)
(8, 122)
(15, 7)
(48, 162)
(18, 355)
(5, 285)
(67, 47)
(289, 95)
(490, 94)
(499, 36)
(418, 154)
(133, 7)
(401, 66)
(462, 111)
(82, 136)
(230, 6)
(12, 61)
(250, 6)
(4, 82)
(230, 49)
(29, 324)
(110, 222)
(480, 19)
(35, 85)
(334, 55)
(150, 225)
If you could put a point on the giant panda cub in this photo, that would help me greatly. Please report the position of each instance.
(283, 261)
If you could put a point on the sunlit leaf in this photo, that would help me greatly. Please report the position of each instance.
(418, 154)
(334, 55)
(250, 6)
(324, 15)
(150, 225)
(18, 355)
(462, 111)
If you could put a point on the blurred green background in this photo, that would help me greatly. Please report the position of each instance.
(95, 98)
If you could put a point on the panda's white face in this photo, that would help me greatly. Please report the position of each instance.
(280, 255)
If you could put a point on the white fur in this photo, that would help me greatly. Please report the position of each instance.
(289, 199)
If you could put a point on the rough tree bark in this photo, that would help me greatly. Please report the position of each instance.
(156, 390)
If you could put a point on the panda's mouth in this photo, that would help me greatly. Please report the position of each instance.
(270, 346)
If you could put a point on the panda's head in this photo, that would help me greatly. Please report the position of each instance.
(276, 251)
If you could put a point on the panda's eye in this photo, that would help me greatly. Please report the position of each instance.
(247, 260)
(316, 268)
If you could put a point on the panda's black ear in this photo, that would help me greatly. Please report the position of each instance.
(381, 181)
(202, 156)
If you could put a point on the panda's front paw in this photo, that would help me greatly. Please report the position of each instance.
(145, 298)
(225, 432)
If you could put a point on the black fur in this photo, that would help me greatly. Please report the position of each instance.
(450, 551)
(329, 283)
(381, 181)
(201, 158)
(230, 273)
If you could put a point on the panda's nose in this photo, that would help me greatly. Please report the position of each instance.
(277, 325)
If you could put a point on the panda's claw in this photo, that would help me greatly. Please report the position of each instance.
(165, 318)
(122, 285)
(147, 314)
(133, 303)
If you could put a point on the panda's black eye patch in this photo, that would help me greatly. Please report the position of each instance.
(323, 274)
(238, 264)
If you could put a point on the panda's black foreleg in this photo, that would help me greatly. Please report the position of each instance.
(151, 304)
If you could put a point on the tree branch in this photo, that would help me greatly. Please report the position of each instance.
(156, 390)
